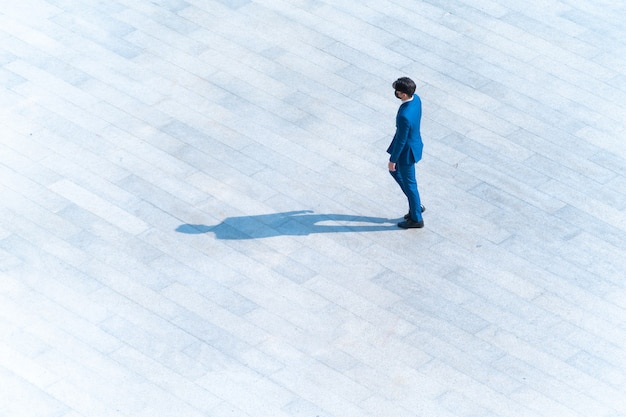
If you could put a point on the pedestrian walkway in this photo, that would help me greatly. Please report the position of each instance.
(196, 217)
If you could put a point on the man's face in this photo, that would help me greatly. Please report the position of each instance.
(400, 95)
(397, 93)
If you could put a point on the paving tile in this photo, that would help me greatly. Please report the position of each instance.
(575, 377)
(108, 41)
(40, 403)
(98, 206)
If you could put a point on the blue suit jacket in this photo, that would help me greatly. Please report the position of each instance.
(406, 146)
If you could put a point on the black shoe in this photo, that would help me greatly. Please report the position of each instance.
(408, 215)
(410, 224)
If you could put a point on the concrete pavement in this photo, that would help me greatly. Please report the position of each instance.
(196, 217)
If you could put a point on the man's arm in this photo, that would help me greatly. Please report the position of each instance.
(401, 138)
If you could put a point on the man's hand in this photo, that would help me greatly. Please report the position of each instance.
(392, 166)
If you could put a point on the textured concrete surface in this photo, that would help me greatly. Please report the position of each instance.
(196, 217)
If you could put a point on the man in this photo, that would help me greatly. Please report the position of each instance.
(406, 149)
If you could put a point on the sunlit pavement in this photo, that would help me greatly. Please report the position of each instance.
(196, 217)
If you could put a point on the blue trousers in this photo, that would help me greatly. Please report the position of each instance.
(405, 177)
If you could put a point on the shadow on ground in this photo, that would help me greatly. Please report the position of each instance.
(293, 223)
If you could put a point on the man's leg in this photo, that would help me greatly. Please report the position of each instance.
(409, 187)
(398, 177)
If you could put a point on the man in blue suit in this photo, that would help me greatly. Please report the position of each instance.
(406, 149)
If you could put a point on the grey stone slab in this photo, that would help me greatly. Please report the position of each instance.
(455, 315)
(558, 370)
(610, 161)
(464, 361)
(142, 340)
(589, 105)
(71, 7)
(598, 368)
(530, 377)
(34, 247)
(143, 398)
(9, 262)
(301, 408)
(110, 41)
(575, 273)
(593, 205)
(515, 186)
(586, 342)
(40, 404)
(97, 205)
(5, 56)
(55, 149)
(167, 15)
(609, 265)
(222, 314)
(531, 223)
(167, 379)
(217, 159)
(58, 270)
(235, 190)
(34, 213)
(593, 225)
(10, 79)
(469, 406)
(92, 228)
(311, 390)
(454, 339)
(30, 166)
(597, 171)
(562, 35)
(65, 128)
(388, 388)
(577, 179)
(381, 405)
(88, 179)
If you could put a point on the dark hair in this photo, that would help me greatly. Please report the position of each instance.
(404, 85)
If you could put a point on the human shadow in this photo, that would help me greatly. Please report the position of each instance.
(293, 223)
